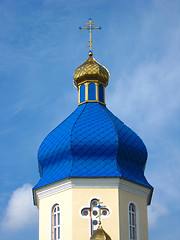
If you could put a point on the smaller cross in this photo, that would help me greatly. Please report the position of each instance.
(90, 27)
(99, 205)
(94, 211)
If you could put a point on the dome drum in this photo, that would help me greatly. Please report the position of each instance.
(91, 92)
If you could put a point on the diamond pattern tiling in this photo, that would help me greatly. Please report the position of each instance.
(132, 153)
(91, 135)
(92, 142)
(55, 156)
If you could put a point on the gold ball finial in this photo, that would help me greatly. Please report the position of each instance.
(90, 53)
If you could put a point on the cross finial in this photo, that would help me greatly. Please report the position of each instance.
(90, 27)
(100, 206)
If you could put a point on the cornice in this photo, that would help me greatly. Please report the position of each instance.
(73, 183)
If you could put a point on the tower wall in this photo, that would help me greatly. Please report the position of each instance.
(64, 199)
(73, 198)
(140, 202)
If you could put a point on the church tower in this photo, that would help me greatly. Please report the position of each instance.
(92, 169)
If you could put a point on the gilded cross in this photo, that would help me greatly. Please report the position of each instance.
(100, 206)
(90, 27)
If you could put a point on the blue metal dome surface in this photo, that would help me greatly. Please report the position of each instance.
(92, 142)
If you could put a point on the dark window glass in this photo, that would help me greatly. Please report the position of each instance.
(101, 93)
(55, 234)
(91, 91)
(95, 222)
(82, 93)
(58, 232)
(54, 219)
(95, 213)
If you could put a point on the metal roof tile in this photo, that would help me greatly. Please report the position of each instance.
(92, 142)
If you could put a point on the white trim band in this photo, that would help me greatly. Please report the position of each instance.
(70, 183)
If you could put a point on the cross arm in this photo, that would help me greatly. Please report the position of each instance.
(96, 28)
(90, 23)
(83, 28)
(90, 43)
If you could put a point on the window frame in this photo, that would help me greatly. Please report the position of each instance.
(133, 224)
(56, 222)
(101, 93)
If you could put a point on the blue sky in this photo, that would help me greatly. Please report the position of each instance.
(41, 46)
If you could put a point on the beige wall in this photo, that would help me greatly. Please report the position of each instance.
(141, 211)
(76, 227)
(64, 199)
(81, 198)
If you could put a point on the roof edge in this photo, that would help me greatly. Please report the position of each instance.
(113, 182)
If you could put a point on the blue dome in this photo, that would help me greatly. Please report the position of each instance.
(92, 142)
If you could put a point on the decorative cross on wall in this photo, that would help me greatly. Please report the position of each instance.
(90, 27)
(95, 212)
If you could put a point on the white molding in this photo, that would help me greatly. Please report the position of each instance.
(134, 188)
(110, 183)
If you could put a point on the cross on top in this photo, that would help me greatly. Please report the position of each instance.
(90, 27)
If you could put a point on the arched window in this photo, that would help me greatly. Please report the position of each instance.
(56, 222)
(101, 93)
(82, 93)
(132, 222)
(91, 91)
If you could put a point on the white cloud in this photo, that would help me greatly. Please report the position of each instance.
(150, 95)
(155, 211)
(20, 211)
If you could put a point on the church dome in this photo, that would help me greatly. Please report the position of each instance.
(100, 234)
(91, 70)
(92, 142)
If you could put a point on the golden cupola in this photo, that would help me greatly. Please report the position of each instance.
(100, 234)
(91, 78)
(91, 70)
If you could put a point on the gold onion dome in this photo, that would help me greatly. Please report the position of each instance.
(91, 70)
(100, 234)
